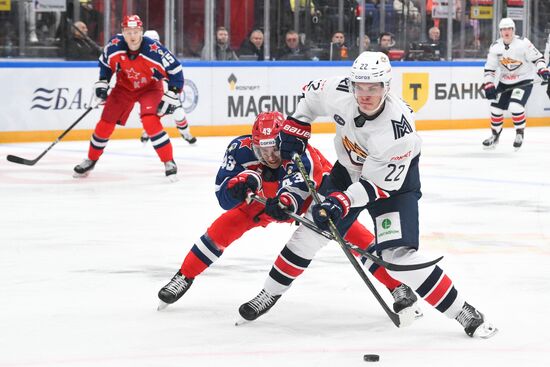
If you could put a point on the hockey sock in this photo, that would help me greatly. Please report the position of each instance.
(287, 267)
(182, 125)
(159, 137)
(496, 122)
(359, 236)
(99, 139)
(203, 254)
(519, 120)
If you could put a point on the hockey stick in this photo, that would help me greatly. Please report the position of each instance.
(334, 231)
(532, 82)
(375, 259)
(32, 162)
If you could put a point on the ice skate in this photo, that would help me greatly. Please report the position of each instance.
(518, 141)
(474, 323)
(84, 168)
(144, 138)
(491, 142)
(173, 291)
(186, 135)
(406, 305)
(171, 170)
(256, 307)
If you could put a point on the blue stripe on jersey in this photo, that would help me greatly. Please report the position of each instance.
(430, 282)
(448, 300)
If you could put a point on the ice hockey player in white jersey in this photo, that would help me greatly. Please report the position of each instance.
(511, 60)
(378, 151)
(178, 115)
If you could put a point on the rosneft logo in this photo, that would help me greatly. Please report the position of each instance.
(232, 81)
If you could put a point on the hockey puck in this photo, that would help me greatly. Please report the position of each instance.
(371, 358)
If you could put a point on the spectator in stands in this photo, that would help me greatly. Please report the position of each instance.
(222, 51)
(80, 46)
(338, 49)
(385, 42)
(253, 45)
(434, 37)
(293, 49)
(355, 49)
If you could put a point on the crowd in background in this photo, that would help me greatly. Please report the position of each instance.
(405, 32)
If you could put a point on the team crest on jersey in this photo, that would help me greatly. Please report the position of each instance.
(416, 89)
(510, 64)
(401, 128)
(132, 74)
(356, 154)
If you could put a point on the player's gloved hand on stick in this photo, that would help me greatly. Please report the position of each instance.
(292, 138)
(335, 206)
(168, 103)
(278, 207)
(101, 87)
(490, 90)
(544, 73)
(245, 182)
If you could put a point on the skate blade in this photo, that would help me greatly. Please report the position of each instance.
(485, 331)
(241, 321)
(162, 305)
(491, 147)
(80, 175)
(172, 178)
(191, 141)
(516, 149)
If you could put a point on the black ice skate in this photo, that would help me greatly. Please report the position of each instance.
(518, 141)
(144, 138)
(186, 135)
(84, 168)
(406, 305)
(474, 322)
(491, 142)
(256, 307)
(173, 291)
(170, 169)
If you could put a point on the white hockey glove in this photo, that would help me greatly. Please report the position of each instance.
(168, 103)
(101, 87)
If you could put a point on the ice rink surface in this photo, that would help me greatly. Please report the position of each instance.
(82, 260)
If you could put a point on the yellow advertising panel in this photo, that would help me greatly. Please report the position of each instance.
(481, 12)
(416, 89)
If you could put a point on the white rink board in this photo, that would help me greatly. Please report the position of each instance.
(45, 98)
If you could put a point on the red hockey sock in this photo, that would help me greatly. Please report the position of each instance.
(100, 138)
(159, 137)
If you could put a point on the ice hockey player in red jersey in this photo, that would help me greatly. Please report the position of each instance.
(252, 163)
(140, 65)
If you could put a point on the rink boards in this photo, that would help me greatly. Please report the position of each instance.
(41, 99)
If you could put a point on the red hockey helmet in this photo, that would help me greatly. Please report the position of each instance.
(265, 130)
(131, 21)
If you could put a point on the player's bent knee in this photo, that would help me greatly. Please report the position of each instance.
(516, 108)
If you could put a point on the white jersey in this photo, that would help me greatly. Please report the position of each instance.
(514, 61)
(377, 152)
(547, 51)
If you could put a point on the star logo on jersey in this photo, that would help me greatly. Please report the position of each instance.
(154, 47)
(246, 142)
(401, 128)
(132, 74)
(510, 64)
(416, 88)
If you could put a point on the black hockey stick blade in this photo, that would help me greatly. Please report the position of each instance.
(32, 162)
(19, 160)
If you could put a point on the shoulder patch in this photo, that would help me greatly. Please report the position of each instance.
(343, 86)
(339, 120)
(401, 128)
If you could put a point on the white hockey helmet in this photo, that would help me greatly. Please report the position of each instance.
(506, 23)
(152, 34)
(371, 67)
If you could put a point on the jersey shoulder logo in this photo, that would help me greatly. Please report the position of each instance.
(339, 120)
(401, 128)
(343, 86)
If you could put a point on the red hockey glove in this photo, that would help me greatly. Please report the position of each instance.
(246, 181)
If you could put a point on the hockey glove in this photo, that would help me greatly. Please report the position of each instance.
(246, 181)
(292, 138)
(335, 206)
(101, 87)
(544, 74)
(490, 90)
(278, 207)
(168, 103)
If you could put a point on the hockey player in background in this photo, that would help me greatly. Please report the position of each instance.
(178, 116)
(140, 65)
(512, 57)
(252, 163)
(378, 151)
